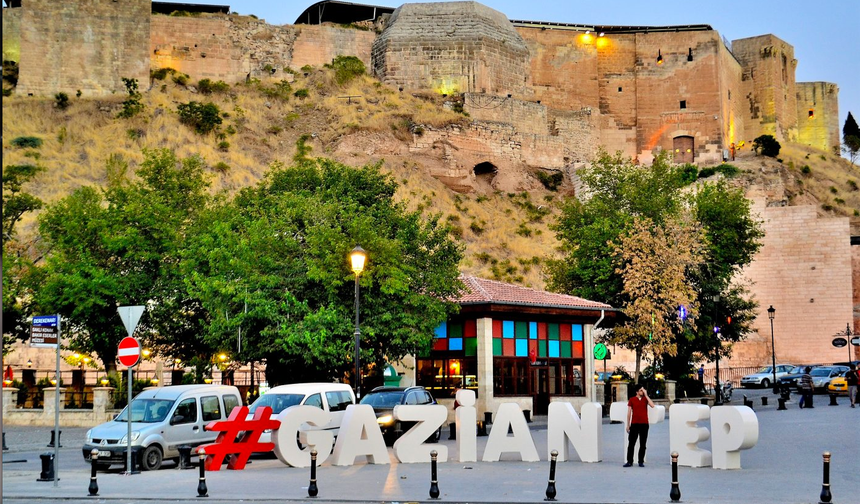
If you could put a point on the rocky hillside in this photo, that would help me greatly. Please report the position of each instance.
(506, 234)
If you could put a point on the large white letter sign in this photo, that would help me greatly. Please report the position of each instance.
(510, 415)
(618, 413)
(733, 428)
(685, 435)
(586, 435)
(286, 448)
(410, 447)
(359, 435)
(466, 417)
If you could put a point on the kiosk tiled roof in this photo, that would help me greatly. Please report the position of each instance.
(481, 290)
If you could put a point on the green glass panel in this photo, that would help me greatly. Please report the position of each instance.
(553, 331)
(455, 330)
(497, 347)
(471, 346)
(521, 330)
(565, 350)
(541, 348)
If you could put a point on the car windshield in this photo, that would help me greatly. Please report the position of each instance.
(278, 402)
(383, 400)
(798, 369)
(147, 410)
(820, 372)
(764, 370)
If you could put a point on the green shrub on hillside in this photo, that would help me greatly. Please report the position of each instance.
(550, 180)
(131, 106)
(161, 73)
(347, 68)
(768, 145)
(203, 117)
(689, 173)
(727, 170)
(62, 101)
(206, 86)
(27, 142)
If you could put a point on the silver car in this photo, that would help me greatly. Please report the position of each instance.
(764, 377)
(821, 376)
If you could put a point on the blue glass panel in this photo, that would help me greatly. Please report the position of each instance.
(508, 329)
(532, 330)
(576, 332)
(442, 330)
(455, 343)
(522, 348)
(554, 349)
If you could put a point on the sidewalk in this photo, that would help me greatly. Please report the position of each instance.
(784, 467)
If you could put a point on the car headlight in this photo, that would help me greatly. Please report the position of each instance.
(89, 439)
(134, 436)
(385, 420)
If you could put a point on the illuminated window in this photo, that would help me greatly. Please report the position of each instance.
(811, 114)
(683, 104)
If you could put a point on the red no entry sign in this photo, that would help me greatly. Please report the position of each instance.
(129, 352)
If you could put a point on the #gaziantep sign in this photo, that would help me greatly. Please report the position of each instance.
(734, 428)
(45, 331)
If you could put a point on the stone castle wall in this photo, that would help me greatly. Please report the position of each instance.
(87, 46)
(11, 34)
(818, 115)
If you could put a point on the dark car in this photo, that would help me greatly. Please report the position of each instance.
(384, 399)
(791, 381)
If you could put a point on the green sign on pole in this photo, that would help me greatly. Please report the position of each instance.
(599, 351)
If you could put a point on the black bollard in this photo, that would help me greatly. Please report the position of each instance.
(528, 415)
(434, 483)
(488, 417)
(312, 486)
(675, 493)
(5, 448)
(704, 401)
(833, 400)
(482, 429)
(452, 431)
(202, 491)
(781, 402)
(185, 457)
(47, 473)
(94, 485)
(747, 402)
(550, 486)
(764, 401)
(58, 434)
(825, 486)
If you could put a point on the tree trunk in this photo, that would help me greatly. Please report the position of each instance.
(638, 358)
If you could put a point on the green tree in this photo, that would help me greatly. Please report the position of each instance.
(851, 138)
(273, 262)
(767, 144)
(120, 246)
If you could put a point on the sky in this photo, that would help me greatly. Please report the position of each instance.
(824, 33)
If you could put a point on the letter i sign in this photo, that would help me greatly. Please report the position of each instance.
(128, 352)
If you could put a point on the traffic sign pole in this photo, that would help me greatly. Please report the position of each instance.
(130, 316)
(57, 412)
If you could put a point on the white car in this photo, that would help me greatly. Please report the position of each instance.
(331, 397)
(764, 377)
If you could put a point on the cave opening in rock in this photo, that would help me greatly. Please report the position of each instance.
(485, 168)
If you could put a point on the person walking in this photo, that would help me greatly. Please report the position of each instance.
(637, 424)
(806, 388)
(851, 378)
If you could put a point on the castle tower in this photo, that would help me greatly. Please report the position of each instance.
(818, 115)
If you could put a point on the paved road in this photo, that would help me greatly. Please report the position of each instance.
(785, 467)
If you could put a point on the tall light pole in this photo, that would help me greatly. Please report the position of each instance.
(718, 393)
(357, 257)
(770, 313)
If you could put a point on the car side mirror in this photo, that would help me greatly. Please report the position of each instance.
(177, 419)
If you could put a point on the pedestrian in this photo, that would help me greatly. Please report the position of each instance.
(851, 378)
(637, 424)
(732, 149)
(701, 372)
(806, 389)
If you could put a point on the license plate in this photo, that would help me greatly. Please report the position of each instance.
(104, 454)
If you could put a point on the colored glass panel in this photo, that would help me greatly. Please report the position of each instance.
(542, 330)
(440, 344)
(455, 343)
(497, 347)
(470, 345)
(508, 329)
(577, 332)
(442, 330)
(553, 331)
(521, 330)
(541, 348)
(564, 332)
(522, 347)
(470, 330)
(455, 330)
(533, 347)
(533, 330)
(565, 349)
(508, 347)
(497, 328)
(578, 350)
(554, 348)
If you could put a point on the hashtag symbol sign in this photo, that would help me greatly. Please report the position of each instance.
(238, 438)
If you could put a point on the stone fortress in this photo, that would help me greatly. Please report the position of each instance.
(540, 95)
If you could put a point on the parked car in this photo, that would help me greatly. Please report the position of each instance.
(162, 419)
(838, 386)
(764, 377)
(331, 397)
(384, 399)
(792, 379)
(821, 376)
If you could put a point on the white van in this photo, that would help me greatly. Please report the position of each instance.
(163, 419)
(331, 397)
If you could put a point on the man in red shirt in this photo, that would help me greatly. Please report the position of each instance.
(637, 424)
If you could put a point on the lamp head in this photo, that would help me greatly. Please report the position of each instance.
(357, 257)
(770, 312)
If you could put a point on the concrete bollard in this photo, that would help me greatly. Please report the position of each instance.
(434, 482)
(185, 457)
(47, 473)
(675, 492)
(312, 486)
(833, 400)
(550, 485)
(825, 496)
(202, 491)
(781, 402)
(5, 448)
(58, 434)
(764, 401)
(94, 485)
(452, 431)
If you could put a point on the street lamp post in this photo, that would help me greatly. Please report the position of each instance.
(770, 313)
(357, 258)
(718, 396)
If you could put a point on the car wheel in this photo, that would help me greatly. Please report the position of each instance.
(151, 458)
(765, 383)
